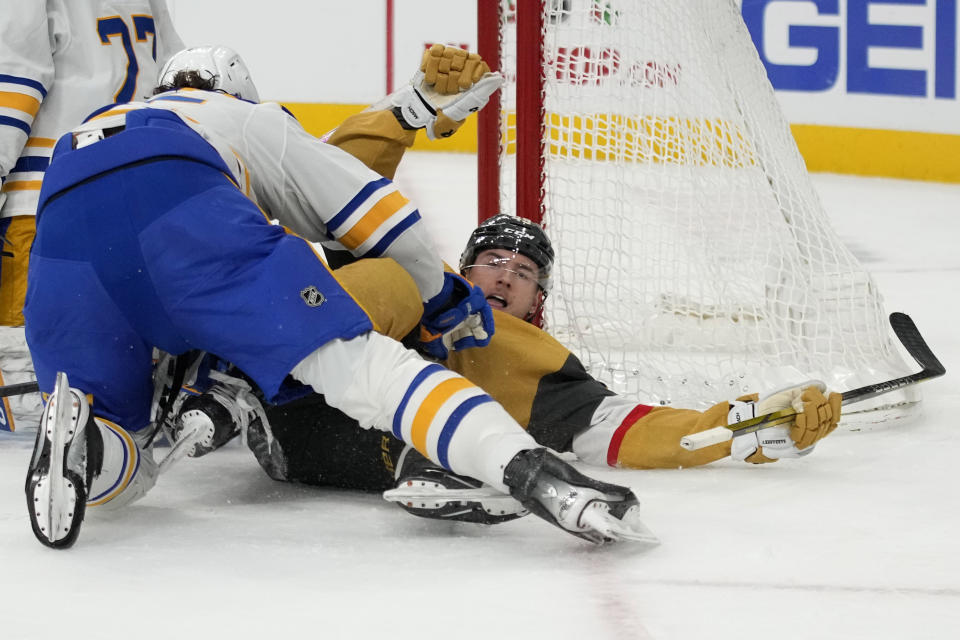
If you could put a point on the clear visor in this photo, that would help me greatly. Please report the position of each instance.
(522, 269)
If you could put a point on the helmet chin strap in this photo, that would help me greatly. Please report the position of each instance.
(535, 317)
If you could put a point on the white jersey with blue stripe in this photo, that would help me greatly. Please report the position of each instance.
(59, 61)
(316, 190)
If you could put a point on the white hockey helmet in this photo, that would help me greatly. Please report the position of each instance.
(221, 64)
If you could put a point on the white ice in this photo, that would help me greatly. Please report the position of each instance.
(858, 540)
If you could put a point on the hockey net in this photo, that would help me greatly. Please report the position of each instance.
(694, 259)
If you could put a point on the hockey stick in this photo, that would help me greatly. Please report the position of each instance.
(909, 336)
(18, 389)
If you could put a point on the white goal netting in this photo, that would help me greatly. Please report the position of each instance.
(694, 259)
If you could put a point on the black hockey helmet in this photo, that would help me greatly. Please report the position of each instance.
(512, 233)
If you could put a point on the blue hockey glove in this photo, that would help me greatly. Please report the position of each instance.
(459, 317)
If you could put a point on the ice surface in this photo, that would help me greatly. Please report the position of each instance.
(858, 540)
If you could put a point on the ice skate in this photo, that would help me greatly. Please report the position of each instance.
(430, 491)
(210, 420)
(67, 454)
(587, 508)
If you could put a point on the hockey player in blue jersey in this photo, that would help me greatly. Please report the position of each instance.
(153, 232)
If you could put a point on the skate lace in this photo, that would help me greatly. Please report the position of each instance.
(237, 396)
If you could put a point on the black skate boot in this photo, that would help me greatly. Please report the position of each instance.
(430, 491)
(587, 508)
(67, 455)
(267, 450)
(210, 420)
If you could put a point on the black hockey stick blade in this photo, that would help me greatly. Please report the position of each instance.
(18, 389)
(909, 336)
(914, 343)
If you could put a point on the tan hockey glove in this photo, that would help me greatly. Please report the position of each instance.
(817, 416)
(449, 85)
(818, 419)
(451, 70)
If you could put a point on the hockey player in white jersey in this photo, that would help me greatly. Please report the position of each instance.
(542, 385)
(152, 233)
(59, 60)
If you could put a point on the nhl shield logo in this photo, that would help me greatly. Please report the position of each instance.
(312, 296)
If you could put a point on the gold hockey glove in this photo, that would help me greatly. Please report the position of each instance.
(449, 85)
(817, 416)
(451, 70)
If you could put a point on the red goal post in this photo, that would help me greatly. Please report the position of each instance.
(527, 81)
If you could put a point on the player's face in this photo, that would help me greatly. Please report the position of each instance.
(508, 279)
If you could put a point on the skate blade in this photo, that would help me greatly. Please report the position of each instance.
(598, 519)
(433, 492)
(55, 513)
(182, 448)
(58, 497)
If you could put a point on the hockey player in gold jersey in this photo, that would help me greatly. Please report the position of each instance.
(536, 378)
